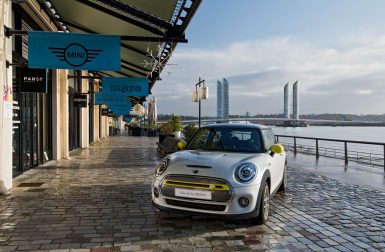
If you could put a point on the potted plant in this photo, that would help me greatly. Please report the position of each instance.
(151, 130)
(189, 131)
(176, 122)
(135, 129)
(165, 130)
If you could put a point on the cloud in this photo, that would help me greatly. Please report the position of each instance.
(329, 78)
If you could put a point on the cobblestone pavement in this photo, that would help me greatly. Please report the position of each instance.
(100, 200)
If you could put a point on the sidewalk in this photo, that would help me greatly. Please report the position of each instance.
(100, 200)
(355, 173)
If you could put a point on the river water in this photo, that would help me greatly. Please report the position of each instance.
(368, 134)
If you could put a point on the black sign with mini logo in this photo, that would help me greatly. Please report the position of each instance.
(80, 100)
(33, 80)
(105, 112)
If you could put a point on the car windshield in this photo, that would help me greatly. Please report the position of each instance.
(227, 139)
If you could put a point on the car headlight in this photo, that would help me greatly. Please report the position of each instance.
(162, 166)
(245, 172)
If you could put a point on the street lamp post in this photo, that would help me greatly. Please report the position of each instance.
(200, 94)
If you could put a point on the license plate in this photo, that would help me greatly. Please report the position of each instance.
(194, 194)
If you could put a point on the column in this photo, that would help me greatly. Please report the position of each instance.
(64, 114)
(96, 116)
(5, 99)
(84, 114)
(60, 131)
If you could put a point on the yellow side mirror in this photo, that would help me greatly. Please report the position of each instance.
(277, 148)
(181, 145)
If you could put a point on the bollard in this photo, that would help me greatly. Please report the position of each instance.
(295, 146)
(316, 149)
(346, 152)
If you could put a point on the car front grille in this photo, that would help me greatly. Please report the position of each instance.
(194, 205)
(220, 189)
(186, 184)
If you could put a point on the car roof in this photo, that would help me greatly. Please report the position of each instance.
(236, 125)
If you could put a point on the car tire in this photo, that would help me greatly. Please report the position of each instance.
(264, 206)
(283, 185)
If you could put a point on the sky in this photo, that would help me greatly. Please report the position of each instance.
(335, 49)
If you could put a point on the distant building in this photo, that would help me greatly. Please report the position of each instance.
(219, 100)
(286, 102)
(295, 101)
(223, 99)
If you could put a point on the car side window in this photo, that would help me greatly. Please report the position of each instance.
(268, 138)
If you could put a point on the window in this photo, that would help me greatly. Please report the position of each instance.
(227, 139)
(268, 138)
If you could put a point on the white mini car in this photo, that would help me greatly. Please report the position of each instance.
(231, 170)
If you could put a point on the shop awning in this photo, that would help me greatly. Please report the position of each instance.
(150, 29)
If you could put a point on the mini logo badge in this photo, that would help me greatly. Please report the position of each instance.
(75, 54)
(195, 171)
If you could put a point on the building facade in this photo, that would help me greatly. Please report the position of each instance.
(40, 125)
(37, 127)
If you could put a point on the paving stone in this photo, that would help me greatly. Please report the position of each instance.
(28, 247)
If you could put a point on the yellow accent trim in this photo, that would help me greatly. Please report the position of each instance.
(277, 148)
(181, 145)
(187, 184)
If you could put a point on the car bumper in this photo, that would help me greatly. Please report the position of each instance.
(230, 208)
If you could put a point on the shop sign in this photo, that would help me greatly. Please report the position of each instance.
(73, 51)
(112, 99)
(80, 100)
(33, 80)
(105, 111)
(127, 119)
(120, 110)
(125, 86)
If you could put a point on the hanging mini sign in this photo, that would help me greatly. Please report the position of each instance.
(73, 51)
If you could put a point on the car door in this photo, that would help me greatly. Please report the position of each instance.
(275, 162)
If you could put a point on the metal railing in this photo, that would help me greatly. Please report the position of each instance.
(356, 151)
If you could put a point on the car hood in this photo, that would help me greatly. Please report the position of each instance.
(210, 163)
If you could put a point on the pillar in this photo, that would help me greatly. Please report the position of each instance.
(5, 99)
(96, 116)
(84, 114)
(60, 131)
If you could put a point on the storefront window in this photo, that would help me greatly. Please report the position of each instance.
(32, 121)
